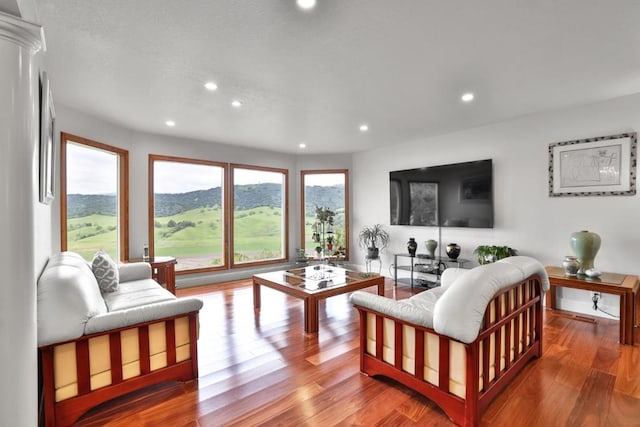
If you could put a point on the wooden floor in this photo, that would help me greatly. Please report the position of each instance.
(264, 370)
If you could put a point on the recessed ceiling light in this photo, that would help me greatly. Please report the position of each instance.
(364, 127)
(306, 4)
(210, 86)
(236, 103)
(170, 123)
(467, 97)
(302, 145)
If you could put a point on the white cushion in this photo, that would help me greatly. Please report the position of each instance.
(417, 310)
(141, 314)
(459, 312)
(134, 271)
(136, 293)
(68, 295)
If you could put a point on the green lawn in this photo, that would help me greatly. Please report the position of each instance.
(196, 234)
(88, 234)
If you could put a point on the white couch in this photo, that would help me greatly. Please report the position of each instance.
(97, 346)
(461, 343)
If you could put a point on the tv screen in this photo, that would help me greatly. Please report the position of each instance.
(455, 195)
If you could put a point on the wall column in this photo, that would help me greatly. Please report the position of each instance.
(19, 42)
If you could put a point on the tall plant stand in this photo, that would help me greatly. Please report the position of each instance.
(369, 263)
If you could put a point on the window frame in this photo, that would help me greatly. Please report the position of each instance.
(285, 172)
(303, 174)
(123, 189)
(225, 210)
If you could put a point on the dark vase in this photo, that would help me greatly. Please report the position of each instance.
(412, 245)
(453, 250)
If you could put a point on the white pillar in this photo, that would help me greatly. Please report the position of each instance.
(19, 42)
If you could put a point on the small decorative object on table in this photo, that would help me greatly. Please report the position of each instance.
(453, 250)
(592, 273)
(585, 245)
(570, 265)
(145, 253)
(431, 247)
(412, 245)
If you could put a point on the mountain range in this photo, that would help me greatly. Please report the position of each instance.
(245, 197)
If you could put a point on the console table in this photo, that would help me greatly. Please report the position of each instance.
(625, 286)
(424, 264)
(163, 271)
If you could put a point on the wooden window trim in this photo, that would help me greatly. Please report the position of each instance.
(285, 172)
(123, 199)
(225, 211)
(303, 174)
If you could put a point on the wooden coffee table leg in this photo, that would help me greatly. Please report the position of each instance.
(311, 315)
(381, 287)
(256, 296)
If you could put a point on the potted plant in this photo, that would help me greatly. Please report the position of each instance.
(491, 253)
(373, 238)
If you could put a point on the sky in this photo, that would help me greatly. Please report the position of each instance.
(324, 180)
(82, 164)
(169, 177)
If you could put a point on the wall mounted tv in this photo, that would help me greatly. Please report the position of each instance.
(455, 195)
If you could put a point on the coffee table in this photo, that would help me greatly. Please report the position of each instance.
(313, 283)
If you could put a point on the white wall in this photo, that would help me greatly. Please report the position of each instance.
(526, 218)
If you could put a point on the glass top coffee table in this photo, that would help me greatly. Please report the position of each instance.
(313, 283)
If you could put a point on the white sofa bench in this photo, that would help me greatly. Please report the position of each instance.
(459, 344)
(96, 346)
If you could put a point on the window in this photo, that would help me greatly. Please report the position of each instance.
(187, 217)
(260, 215)
(94, 197)
(325, 190)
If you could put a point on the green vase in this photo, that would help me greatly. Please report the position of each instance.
(585, 245)
(431, 247)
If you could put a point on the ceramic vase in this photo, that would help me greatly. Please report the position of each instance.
(585, 245)
(431, 247)
(412, 245)
(453, 250)
(570, 265)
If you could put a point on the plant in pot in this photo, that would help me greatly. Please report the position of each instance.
(373, 238)
(491, 253)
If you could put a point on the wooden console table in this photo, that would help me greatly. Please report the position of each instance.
(163, 271)
(626, 287)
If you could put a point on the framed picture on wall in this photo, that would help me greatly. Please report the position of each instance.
(47, 141)
(602, 166)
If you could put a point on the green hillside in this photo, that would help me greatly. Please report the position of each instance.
(245, 197)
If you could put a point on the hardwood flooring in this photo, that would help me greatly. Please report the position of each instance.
(264, 370)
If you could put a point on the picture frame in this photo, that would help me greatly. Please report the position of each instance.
(602, 166)
(47, 141)
(423, 209)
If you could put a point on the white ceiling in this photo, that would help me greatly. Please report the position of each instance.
(400, 66)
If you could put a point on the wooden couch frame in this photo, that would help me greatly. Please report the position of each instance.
(66, 412)
(523, 316)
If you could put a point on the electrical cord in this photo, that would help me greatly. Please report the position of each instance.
(608, 314)
(595, 298)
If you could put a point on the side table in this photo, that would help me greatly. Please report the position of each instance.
(625, 286)
(163, 271)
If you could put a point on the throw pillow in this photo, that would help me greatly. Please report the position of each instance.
(106, 272)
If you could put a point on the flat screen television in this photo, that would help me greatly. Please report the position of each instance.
(455, 195)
